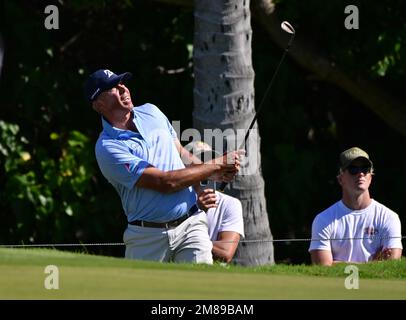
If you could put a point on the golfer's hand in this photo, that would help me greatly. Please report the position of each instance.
(207, 199)
(229, 166)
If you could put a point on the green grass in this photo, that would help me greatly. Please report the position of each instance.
(84, 276)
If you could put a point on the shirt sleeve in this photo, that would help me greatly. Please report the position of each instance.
(320, 235)
(232, 218)
(392, 233)
(118, 164)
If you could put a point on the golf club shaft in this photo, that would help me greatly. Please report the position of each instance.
(268, 89)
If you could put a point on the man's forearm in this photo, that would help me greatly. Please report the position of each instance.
(225, 246)
(221, 252)
(322, 257)
(177, 180)
(395, 254)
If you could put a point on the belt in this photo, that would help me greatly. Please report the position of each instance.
(167, 225)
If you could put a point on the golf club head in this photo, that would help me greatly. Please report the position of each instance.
(287, 27)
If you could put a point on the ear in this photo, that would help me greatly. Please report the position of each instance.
(340, 179)
(94, 106)
(97, 106)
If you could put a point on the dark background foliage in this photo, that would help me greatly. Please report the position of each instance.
(51, 190)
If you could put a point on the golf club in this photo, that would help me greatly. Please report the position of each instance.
(287, 27)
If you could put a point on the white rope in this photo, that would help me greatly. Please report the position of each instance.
(329, 239)
(242, 241)
(61, 245)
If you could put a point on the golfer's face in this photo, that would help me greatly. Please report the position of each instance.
(117, 97)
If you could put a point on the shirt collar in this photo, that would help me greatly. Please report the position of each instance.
(117, 133)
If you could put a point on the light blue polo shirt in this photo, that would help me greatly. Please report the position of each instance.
(123, 155)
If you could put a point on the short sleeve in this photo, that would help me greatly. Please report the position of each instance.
(320, 235)
(392, 233)
(119, 165)
(232, 218)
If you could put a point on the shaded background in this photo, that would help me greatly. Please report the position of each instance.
(51, 190)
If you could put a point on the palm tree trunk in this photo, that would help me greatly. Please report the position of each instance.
(224, 99)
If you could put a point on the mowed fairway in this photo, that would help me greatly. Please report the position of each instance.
(93, 277)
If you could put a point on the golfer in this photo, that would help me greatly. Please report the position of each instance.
(139, 154)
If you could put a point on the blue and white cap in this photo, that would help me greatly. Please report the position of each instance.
(101, 80)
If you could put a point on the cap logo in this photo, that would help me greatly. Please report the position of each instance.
(108, 73)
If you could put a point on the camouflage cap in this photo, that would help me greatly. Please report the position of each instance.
(349, 155)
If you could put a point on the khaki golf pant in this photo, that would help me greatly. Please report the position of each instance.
(188, 242)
